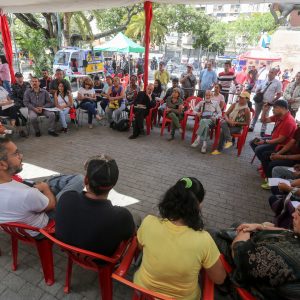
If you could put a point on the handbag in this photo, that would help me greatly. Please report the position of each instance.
(259, 96)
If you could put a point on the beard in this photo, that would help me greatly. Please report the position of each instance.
(13, 170)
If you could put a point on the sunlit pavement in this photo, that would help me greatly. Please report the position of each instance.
(148, 166)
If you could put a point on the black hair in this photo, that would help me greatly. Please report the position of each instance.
(182, 203)
(58, 70)
(157, 90)
(66, 91)
(175, 79)
(227, 62)
(102, 173)
(96, 78)
(3, 59)
(35, 77)
(3, 150)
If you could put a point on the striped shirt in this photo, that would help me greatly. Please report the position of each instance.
(225, 79)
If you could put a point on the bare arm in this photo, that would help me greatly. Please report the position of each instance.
(45, 189)
(71, 102)
(217, 272)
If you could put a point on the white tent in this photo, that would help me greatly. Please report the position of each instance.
(31, 6)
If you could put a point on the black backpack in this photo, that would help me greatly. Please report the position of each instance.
(123, 123)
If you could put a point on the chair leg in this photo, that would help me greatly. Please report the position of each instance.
(254, 156)
(44, 248)
(162, 128)
(183, 126)
(148, 125)
(68, 275)
(14, 250)
(105, 282)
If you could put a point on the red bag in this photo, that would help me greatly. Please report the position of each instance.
(72, 113)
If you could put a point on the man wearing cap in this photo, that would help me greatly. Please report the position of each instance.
(207, 79)
(272, 91)
(188, 81)
(162, 75)
(89, 220)
(285, 126)
(18, 89)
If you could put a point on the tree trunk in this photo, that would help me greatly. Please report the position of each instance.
(66, 28)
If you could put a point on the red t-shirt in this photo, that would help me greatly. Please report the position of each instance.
(285, 126)
(296, 148)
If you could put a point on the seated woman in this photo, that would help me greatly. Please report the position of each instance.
(208, 112)
(87, 100)
(8, 109)
(174, 111)
(217, 96)
(236, 116)
(267, 258)
(132, 90)
(63, 100)
(116, 101)
(104, 95)
(175, 246)
(158, 91)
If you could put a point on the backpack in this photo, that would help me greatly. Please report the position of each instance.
(122, 124)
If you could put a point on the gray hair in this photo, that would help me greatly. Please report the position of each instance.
(3, 150)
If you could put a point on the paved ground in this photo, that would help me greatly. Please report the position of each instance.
(148, 166)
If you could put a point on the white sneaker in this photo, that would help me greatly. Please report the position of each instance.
(203, 149)
(195, 144)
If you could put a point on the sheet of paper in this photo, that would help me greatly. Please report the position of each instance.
(51, 108)
(7, 106)
(291, 169)
(295, 203)
(276, 181)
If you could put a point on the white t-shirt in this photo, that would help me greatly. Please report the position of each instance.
(63, 101)
(23, 204)
(85, 92)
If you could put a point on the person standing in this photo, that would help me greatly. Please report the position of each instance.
(271, 92)
(208, 77)
(226, 78)
(292, 95)
(5, 73)
(162, 75)
(59, 77)
(188, 81)
(45, 80)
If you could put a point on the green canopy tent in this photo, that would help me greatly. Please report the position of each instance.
(121, 43)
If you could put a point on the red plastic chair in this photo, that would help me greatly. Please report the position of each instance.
(208, 285)
(18, 231)
(86, 259)
(149, 123)
(139, 293)
(190, 103)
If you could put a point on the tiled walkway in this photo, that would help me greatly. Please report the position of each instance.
(148, 166)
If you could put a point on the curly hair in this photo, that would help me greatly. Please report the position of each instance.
(182, 203)
(87, 80)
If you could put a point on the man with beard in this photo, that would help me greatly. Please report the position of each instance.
(27, 202)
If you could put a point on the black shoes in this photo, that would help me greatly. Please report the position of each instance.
(53, 133)
(133, 137)
(38, 134)
(23, 134)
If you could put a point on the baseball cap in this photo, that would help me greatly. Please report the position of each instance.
(281, 103)
(245, 95)
(18, 74)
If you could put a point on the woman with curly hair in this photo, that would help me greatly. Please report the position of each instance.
(87, 100)
(175, 246)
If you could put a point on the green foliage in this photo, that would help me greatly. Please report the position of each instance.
(34, 42)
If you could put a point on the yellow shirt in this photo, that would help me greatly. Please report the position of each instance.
(163, 76)
(172, 258)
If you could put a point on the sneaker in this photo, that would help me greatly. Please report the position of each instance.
(195, 144)
(65, 130)
(265, 186)
(203, 149)
(228, 145)
(53, 133)
(216, 152)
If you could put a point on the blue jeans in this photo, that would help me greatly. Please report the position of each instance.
(91, 108)
(260, 149)
(6, 85)
(62, 117)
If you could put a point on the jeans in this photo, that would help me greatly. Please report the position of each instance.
(260, 149)
(91, 109)
(225, 135)
(258, 109)
(114, 114)
(203, 130)
(64, 183)
(6, 85)
(62, 117)
(282, 172)
(33, 116)
(104, 103)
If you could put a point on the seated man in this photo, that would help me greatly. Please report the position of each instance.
(88, 219)
(37, 99)
(285, 126)
(208, 112)
(143, 102)
(59, 77)
(27, 202)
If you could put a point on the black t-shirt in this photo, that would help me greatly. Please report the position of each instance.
(94, 225)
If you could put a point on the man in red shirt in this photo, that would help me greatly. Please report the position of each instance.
(285, 126)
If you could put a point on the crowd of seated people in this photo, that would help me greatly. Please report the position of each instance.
(264, 256)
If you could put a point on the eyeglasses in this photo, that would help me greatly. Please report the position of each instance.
(16, 153)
